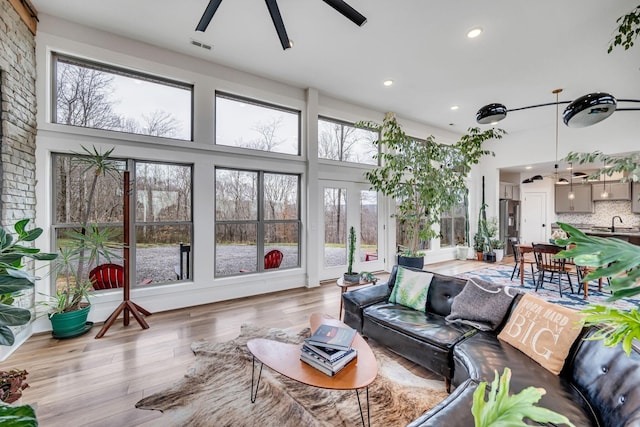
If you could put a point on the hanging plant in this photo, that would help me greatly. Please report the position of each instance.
(627, 31)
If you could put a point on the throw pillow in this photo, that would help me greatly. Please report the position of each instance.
(481, 304)
(543, 331)
(411, 289)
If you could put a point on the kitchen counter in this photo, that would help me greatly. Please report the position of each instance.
(631, 235)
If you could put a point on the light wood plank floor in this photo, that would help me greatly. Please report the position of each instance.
(96, 382)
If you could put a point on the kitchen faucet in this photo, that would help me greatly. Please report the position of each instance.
(613, 228)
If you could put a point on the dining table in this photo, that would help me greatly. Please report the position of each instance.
(525, 248)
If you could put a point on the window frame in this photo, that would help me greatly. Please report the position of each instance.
(119, 71)
(351, 125)
(130, 165)
(258, 103)
(259, 221)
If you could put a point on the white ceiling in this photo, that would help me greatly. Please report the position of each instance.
(528, 48)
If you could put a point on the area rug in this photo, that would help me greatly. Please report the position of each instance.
(216, 391)
(549, 292)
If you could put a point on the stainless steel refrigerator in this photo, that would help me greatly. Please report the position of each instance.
(509, 222)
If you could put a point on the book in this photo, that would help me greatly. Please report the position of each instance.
(336, 337)
(346, 358)
(331, 354)
(315, 362)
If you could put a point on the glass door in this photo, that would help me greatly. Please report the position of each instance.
(345, 205)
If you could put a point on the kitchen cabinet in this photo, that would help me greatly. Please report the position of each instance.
(617, 190)
(509, 191)
(582, 203)
(635, 204)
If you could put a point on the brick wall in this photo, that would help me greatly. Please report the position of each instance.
(17, 117)
(17, 134)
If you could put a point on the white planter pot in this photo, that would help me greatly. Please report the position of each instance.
(499, 254)
(463, 252)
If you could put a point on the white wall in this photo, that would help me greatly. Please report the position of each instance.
(56, 35)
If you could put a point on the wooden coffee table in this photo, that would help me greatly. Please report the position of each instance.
(285, 359)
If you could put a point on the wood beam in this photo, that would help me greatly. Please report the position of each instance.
(27, 12)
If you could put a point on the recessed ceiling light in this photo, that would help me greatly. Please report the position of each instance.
(528, 167)
(454, 107)
(387, 82)
(474, 32)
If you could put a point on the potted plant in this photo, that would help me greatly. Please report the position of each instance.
(84, 248)
(367, 276)
(424, 178)
(13, 280)
(491, 231)
(498, 249)
(350, 276)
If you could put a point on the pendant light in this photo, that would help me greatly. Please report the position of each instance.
(571, 195)
(604, 193)
(557, 180)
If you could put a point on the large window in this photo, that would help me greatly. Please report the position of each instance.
(256, 213)
(246, 123)
(94, 95)
(453, 225)
(346, 143)
(160, 213)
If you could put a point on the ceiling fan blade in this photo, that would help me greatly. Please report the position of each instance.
(272, 5)
(349, 12)
(208, 15)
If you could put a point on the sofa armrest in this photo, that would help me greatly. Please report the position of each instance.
(357, 300)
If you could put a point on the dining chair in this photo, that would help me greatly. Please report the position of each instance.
(546, 262)
(514, 242)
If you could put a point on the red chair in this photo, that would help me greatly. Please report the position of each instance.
(109, 276)
(273, 259)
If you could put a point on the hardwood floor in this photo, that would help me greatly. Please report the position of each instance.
(96, 382)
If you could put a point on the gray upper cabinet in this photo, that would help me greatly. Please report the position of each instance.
(509, 191)
(635, 204)
(582, 203)
(617, 190)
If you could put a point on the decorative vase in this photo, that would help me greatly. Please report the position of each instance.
(409, 261)
(71, 324)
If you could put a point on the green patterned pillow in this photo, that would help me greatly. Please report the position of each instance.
(411, 289)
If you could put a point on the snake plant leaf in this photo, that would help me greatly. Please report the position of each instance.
(504, 410)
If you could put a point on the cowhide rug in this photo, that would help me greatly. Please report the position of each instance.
(216, 389)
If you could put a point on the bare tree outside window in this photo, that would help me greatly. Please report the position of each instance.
(96, 96)
(346, 143)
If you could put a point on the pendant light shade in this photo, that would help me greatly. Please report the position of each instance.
(589, 110)
(491, 113)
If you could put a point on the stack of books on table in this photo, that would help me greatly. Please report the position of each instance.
(329, 349)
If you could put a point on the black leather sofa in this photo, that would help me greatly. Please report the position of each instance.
(598, 386)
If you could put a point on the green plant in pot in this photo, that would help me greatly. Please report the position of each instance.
(14, 280)
(350, 276)
(425, 178)
(82, 249)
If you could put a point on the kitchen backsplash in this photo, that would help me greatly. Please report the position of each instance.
(603, 213)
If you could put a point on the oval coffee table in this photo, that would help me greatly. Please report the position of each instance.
(285, 359)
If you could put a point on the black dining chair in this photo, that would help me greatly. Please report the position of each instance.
(547, 263)
(514, 242)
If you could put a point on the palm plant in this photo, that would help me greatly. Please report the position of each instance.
(89, 243)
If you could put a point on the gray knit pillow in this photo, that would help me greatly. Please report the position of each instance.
(481, 304)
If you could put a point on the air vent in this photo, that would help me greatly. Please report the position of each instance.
(202, 45)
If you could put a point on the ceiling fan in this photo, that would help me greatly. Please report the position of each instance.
(339, 5)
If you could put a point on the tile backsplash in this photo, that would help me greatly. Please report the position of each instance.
(603, 212)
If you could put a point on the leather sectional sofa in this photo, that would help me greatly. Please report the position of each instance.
(598, 385)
